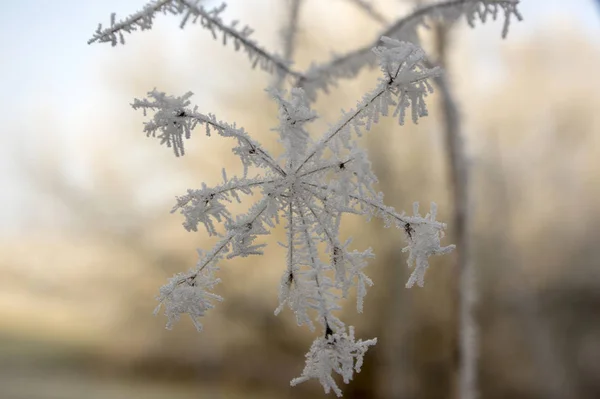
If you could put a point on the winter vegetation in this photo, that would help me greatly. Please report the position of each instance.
(318, 178)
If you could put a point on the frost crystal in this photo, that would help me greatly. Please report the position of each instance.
(336, 352)
(423, 241)
(312, 184)
(189, 293)
(345, 66)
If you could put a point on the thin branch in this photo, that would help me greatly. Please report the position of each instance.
(211, 20)
(382, 209)
(142, 19)
(465, 286)
(363, 107)
(312, 250)
(175, 119)
(291, 238)
(290, 32)
(355, 60)
(344, 122)
(256, 53)
(243, 186)
(222, 245)
(336, 164)
(330, 237)
(227, 130)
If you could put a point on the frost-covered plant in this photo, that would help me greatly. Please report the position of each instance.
(310, 186)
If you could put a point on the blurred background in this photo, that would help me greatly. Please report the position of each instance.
(86, 237)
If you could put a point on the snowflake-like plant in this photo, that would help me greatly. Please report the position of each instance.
(310, 186)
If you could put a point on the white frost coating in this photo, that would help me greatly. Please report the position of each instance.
(345, 66)
(336, 352)
(423, 241)
(193, 12)
(311, 185)
(188, 293)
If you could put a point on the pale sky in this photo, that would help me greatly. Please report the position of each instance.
(48, 72)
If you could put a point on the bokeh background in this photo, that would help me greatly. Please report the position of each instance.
(86, 237)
